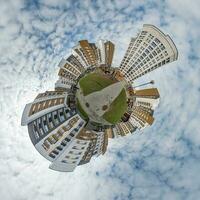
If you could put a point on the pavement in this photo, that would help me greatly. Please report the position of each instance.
(97, 100)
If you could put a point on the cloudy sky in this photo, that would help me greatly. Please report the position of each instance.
(162, 162)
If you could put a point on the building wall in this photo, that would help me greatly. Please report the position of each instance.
(43, 104)
(109, 53)
(75, 62)
(123, 128)
(102, 54)
(141, 117)
(106, 52)
(72, 71)
(147, 93)
(63, 84)
(71, 157)
(147, 98)
(151, 49)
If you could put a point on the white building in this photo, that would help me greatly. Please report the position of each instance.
(100, 143)
(147, 98)
(55, 131)
(141, 118)
(63, 83)
(123, 128)
(105, 52)
(150, 50)
(44, 103)
(72, 71)
(101, 52)
(147, 103)
(78, 54)
(53, 128)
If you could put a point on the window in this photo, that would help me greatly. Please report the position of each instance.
(162, 47)
(67, 139)
(158, 50)
(153, 44)
(40, 126)
(168, 59)
(34, 127)
(157, 40)
(143, 32)
(59, 148)
(143, 54)
(63, 144)
(55, 152)
(51, 155)
(150, 56)
(71, 134)
(150, 48)
(154, 53)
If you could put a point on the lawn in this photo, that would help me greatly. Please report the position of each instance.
(94, 82)
(117, 109)
(82, 113)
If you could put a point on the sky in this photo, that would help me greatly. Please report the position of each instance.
(161, 162)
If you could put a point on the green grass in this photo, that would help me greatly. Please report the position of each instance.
(94, 82)
(117, 109)
(81, 111)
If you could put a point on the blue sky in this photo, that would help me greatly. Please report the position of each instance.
(161, 162)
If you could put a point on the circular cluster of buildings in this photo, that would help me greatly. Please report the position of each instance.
(94, 101)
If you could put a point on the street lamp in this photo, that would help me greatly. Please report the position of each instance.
(150, 82)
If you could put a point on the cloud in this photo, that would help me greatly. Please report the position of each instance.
(161, 162)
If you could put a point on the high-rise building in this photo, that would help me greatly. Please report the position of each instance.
(123, 128)
(72, 71)
(57, 132)
(150, 50)
(75, 63)
(63, 84)
(141, 118)
(105, 52)
(110, 133)
(87, 52)
(147, 98)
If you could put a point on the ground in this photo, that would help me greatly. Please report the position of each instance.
(101, 99)
(94, 82)
(117, 108)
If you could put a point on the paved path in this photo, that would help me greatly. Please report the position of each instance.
(92, 115)
(97, 100)
(103, 98)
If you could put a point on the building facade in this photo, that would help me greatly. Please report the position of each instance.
(58, 133)
(123, 129)
(146, 100)
(150, 50)
(86, 53)
(142, 107)
(63, 84)
(105, 52)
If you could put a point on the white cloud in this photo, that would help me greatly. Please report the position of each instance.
(162, 162)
